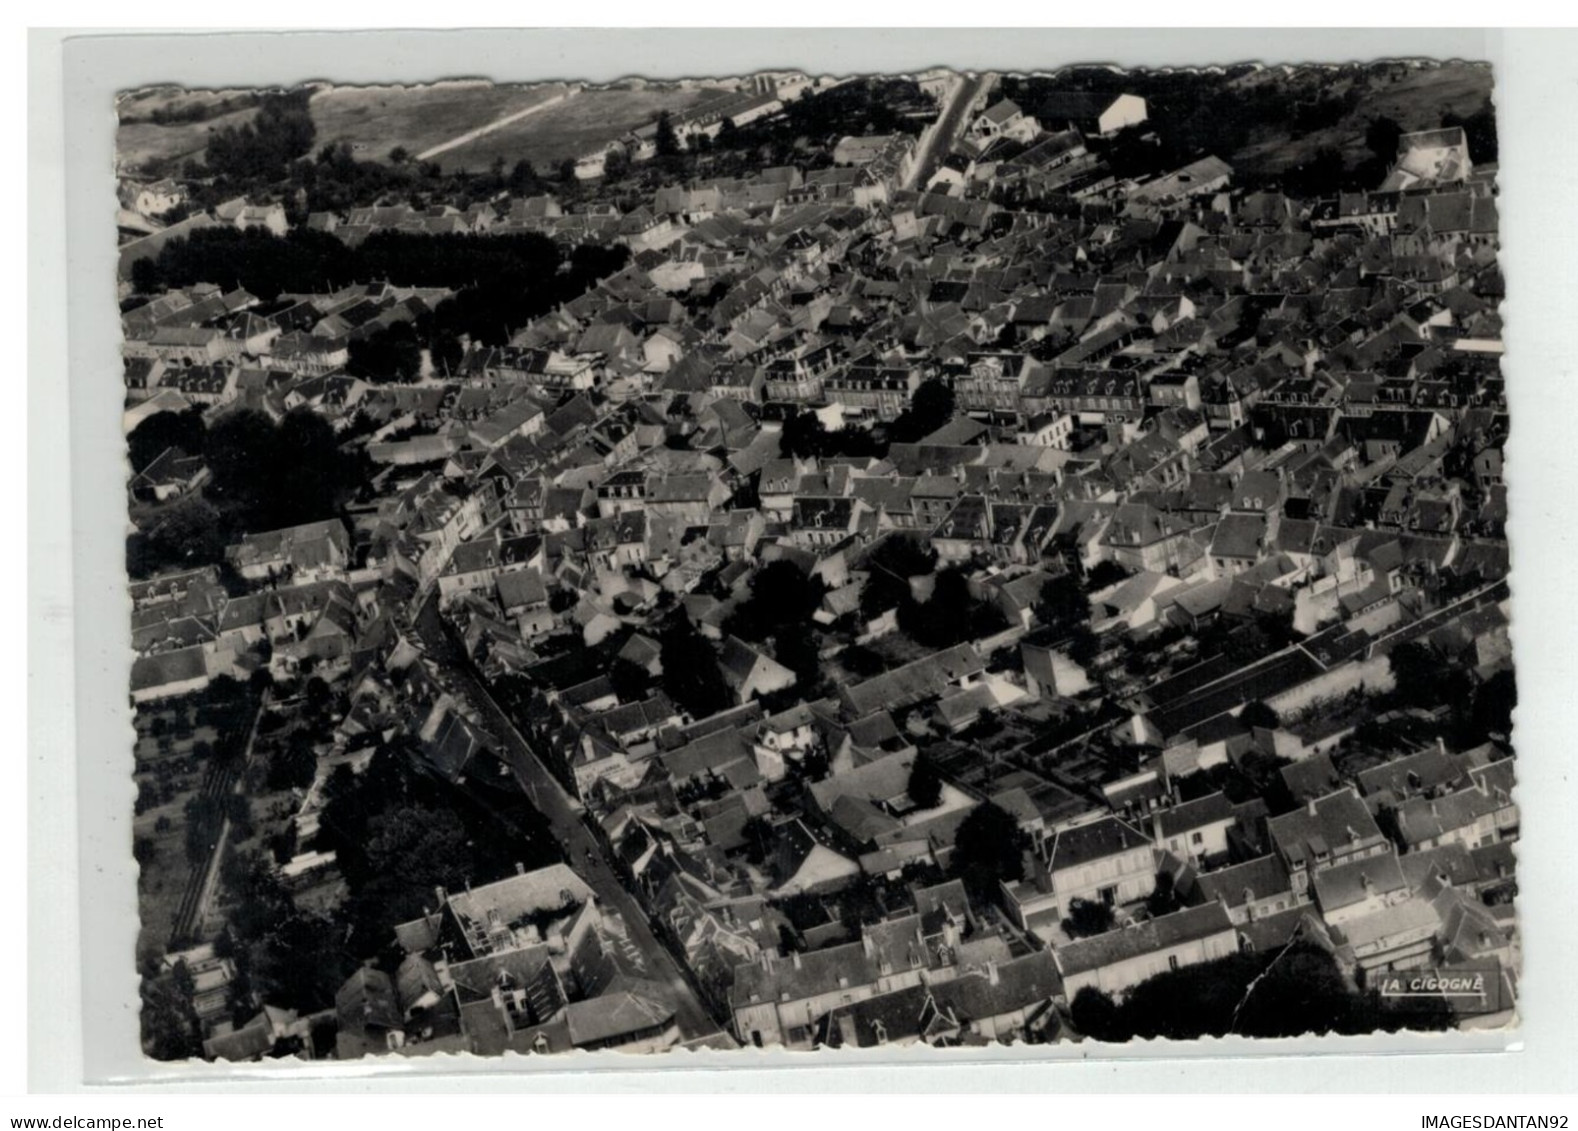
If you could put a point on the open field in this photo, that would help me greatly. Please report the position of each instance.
(574, 127)
(375, 119)
(141, 144)
(1416, 101)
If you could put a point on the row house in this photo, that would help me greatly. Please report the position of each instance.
(872, 391)
(992, 383)
(799, 378)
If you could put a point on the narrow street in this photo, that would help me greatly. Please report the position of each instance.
(950, 122)
(583, 852)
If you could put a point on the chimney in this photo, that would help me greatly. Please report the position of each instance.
(520, 869)
(443, 896)
(991, 972)
(795, 955)
(1311, 807)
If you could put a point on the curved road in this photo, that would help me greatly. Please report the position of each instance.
(583, 852)
(950, 123)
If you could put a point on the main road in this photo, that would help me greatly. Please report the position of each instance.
(945, 131)
(582, 850)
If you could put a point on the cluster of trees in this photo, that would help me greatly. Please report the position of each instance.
(952, 615)
(264, 476)
(170, 1028)
(398, 834)
(501, 282)
(691, 675)
(1064, 611)
(294, 959)
(818, 118)
(163, 430)
(779, 608)
(892, 565)
(1291, 992)
(275, 475)
(1191, 115)
(988, 850)
(261, 150)
(531, 267)
(931, 406)
(1477, 711)
(805, 436)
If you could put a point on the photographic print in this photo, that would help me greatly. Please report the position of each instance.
(812, 562)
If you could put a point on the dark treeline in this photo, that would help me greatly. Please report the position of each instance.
(1195, 114)
(194, 111)
(1287, 993)
(816, 120)
(501, 282)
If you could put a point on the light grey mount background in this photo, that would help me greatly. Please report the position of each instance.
(82, 891)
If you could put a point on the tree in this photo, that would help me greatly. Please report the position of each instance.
(925, 783)
(931, 406)
(631, 682)
(1494, 702)
(393, 354)
(795, 647)
(169, 1026)
(163, 430)
(1417, 671)
(666, 140)
(859, 660)
(988, 850)
(1258, 714)
(1381, 137)
(189, 534)
(259, 151)
(1105, 573)
(298, 964)
(1087, 917)
(691, 675)
(889, 566)
(399, 155)
(1098, 1017)
(952, 615)
(758, 833)
(145, 276)
(803, 435)
(1479, 129)
(318, 695)
(1163, 899)
(523, 179)
(781, 594)
(1062, 606)
(295, 765)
